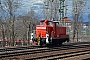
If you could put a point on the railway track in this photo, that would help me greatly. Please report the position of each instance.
(7, 49)
(64, 55)
(64, 51)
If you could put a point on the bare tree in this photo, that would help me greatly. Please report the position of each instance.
(50, 9)
(10, 7)
(89, 24)
(78, 6)
(30, 21)
(0, 26)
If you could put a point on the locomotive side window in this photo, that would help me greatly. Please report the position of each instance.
(42, 23)
(50, 23)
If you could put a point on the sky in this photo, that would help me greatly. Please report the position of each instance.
(37, 6)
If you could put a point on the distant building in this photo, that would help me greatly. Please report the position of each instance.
(67, 23)
(66, 20)
(85, 27)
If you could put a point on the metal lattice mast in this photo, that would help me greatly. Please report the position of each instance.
(46, 7)
(51, 5)
(61, 11)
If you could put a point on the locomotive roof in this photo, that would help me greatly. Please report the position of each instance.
(50, 21)
(45, 20)
(56, 21)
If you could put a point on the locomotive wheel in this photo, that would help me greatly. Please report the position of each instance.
(56, 42)
(42, 42)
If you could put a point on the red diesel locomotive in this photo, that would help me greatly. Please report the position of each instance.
(50, 33)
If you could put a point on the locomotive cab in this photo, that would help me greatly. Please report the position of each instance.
(44, 30)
